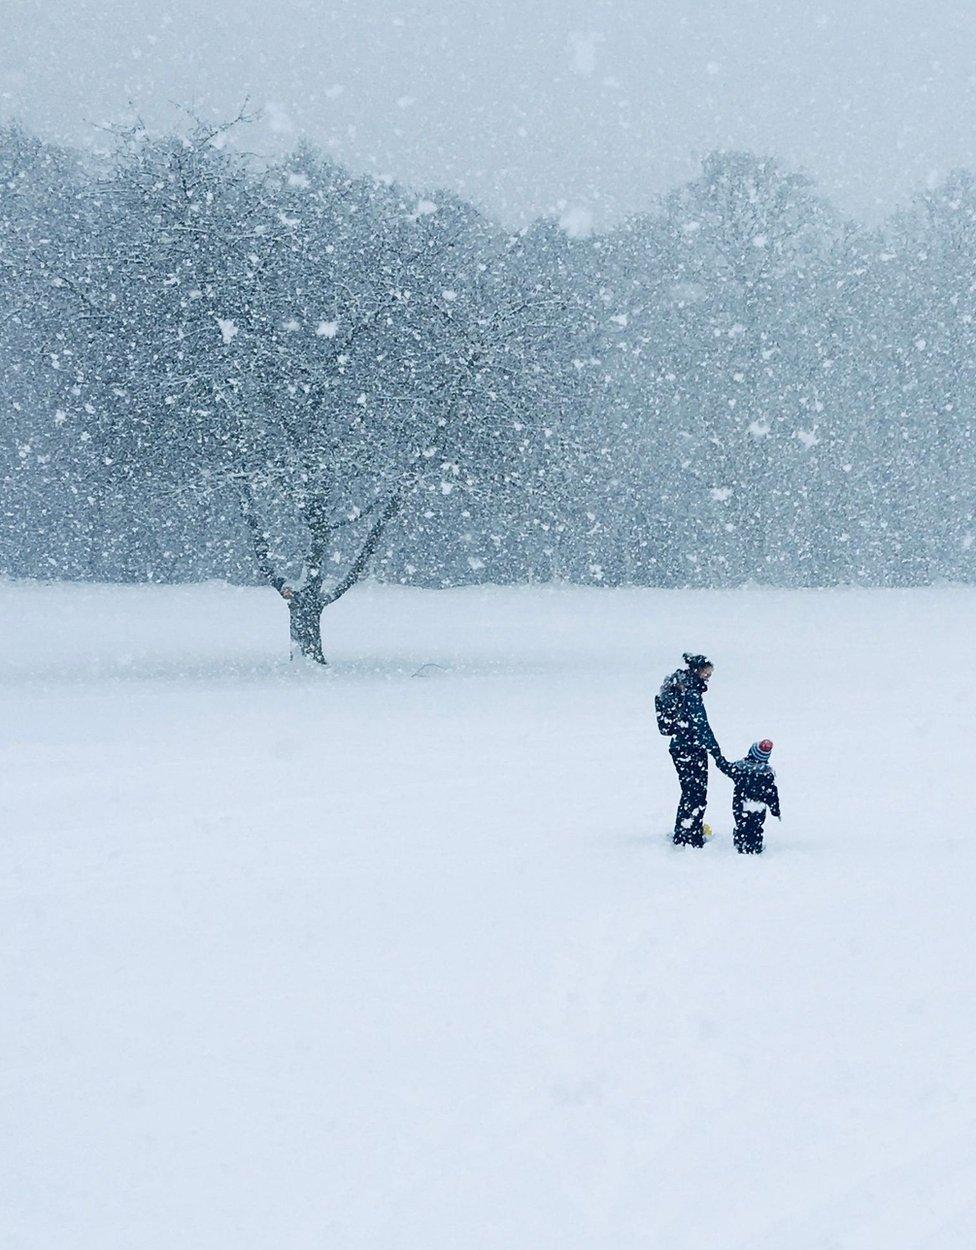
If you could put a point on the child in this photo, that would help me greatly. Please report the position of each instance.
(755, 792)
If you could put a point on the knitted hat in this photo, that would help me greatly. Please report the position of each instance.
(761, 751)
(696, 662)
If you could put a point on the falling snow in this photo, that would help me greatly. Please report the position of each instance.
(380, 423)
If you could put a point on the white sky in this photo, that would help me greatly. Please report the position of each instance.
(528, 106)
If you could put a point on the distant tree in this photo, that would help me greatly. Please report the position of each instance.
(926, 435)
(45, 476)
(720, 362)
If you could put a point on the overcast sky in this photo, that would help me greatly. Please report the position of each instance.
(528, 106)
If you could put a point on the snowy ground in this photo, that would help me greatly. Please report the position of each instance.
(402, 961)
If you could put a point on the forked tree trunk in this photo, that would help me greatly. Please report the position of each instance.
(305, 623)
(307, 603)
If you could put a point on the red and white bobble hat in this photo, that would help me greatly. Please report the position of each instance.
(762, 750)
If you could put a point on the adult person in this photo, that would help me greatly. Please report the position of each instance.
(681, 716)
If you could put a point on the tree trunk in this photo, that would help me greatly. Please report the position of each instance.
(305, 620)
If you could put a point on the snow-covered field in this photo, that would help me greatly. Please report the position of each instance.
(397, 957)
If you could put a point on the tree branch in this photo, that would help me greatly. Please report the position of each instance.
(262, 553)
(371, 542)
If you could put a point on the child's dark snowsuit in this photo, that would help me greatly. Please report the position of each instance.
(755, 791)
(691, 742)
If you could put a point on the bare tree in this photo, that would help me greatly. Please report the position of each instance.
(322, 349)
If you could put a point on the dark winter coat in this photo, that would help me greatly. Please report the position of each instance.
(755, 787)
(693, 730)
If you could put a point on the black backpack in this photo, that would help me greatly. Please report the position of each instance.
(669, 704)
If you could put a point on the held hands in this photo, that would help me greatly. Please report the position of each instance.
(286, 592)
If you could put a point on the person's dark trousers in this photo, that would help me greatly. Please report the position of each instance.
(691, 764)
(748, 836)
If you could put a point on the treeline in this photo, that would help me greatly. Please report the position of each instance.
(215, 367)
